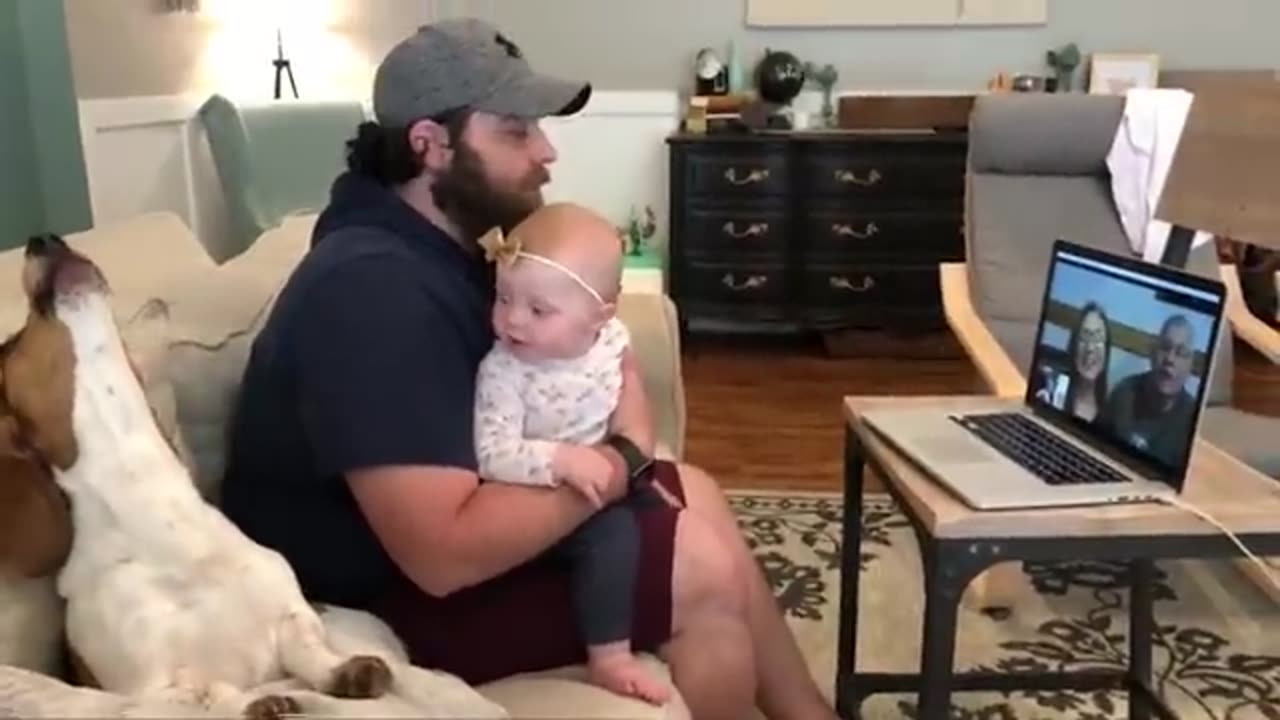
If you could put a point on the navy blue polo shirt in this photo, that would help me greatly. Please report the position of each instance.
(368, 358)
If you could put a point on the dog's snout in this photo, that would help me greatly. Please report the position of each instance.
(52, 267)
(43, 245)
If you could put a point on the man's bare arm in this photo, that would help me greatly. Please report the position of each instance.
(446, 530)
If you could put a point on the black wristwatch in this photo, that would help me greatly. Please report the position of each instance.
(638, 464)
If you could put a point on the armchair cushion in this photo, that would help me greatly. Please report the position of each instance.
(1013, 221)
(1043, 134)
(655, 340)
(1244, 435)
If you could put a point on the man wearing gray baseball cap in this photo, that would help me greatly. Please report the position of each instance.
(351, 449)
(486, 72)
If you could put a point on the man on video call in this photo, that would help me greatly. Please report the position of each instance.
(1153, 410)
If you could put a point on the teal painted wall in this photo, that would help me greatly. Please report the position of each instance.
(43, 187)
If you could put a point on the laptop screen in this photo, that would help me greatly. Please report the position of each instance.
(1124, 353)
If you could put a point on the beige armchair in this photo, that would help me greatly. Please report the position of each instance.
(1036, 172)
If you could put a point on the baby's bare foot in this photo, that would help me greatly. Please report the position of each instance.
(623, 673)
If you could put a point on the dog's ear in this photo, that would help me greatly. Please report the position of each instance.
(35, 520)
(39, 384)
(36, 531)
(10, 445)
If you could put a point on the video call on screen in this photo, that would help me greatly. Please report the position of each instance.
(1126, 353)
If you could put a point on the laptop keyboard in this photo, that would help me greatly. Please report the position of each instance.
(1037, 449)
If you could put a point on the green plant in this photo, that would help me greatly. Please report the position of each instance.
(636, 232)
(1064, 61)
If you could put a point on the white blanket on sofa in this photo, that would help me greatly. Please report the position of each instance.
(1139, 160)
(25, 693)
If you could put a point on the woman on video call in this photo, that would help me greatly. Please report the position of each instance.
(1090, 351)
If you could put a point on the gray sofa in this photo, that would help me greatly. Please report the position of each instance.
(1037, 171)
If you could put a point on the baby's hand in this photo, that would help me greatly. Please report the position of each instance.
(585, 469)
(584, 486)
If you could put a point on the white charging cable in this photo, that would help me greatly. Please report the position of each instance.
(1268, 570)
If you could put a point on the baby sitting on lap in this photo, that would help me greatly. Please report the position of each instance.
(546, 392)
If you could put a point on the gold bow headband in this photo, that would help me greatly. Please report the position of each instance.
(498, 246)
(501, 247)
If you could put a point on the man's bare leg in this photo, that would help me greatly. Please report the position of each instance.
(710, 652)
(786, 690)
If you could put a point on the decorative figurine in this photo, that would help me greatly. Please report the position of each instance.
(825, 78)
(635, 234)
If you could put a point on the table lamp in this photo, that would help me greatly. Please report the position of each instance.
(1225, 176)
(283, 66)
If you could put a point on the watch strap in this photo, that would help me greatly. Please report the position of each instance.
(638, 464)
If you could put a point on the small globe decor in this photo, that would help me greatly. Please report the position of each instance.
(779, 77)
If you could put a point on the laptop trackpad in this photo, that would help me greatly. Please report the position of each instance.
(955, 448)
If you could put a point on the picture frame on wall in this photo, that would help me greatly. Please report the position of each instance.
(1115, 73)
(897, 13)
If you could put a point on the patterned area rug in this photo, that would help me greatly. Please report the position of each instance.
(1217, 654)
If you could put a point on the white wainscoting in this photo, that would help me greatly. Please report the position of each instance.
(149, 153)
(613, 156)
(146, 154)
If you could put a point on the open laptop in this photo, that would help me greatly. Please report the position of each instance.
(1153, 353)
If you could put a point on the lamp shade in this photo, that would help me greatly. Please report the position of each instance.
(1225, 176)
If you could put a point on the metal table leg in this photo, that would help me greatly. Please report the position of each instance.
(848, 703)
(949, 567)
(1141, 629)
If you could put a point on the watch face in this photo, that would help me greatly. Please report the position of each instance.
(708, 65)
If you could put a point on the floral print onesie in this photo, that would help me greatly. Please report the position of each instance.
(524, 409)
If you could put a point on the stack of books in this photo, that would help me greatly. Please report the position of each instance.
(715, 113)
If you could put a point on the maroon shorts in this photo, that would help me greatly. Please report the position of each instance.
(523, 621)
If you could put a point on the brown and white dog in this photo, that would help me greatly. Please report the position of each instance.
(166, 600)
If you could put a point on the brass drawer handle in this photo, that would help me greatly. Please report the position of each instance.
(846, 230)
(731, 229)
(839, 282)
(850, 177)
(755, 176)
(749, 283)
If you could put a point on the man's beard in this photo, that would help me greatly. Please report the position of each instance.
(467, 197)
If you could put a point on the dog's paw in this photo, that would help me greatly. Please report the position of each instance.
(361, 676)
(272, 707)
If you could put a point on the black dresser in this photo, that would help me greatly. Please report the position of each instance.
(814, 231)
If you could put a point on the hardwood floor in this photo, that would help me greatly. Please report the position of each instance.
(769, 417)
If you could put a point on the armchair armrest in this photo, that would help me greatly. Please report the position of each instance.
(652, 321)
(999, 585)
(1245, 324)
(997, 369)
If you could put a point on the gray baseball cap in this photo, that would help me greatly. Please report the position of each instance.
(466, 63)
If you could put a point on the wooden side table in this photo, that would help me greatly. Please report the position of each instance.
(957, 543)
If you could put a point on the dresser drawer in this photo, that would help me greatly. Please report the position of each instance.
(906, 236)
(761, 171)
(836, 286)
(736, 283)
(879, 176)
(735, 233)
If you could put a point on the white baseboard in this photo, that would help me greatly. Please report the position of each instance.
(146, 154)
